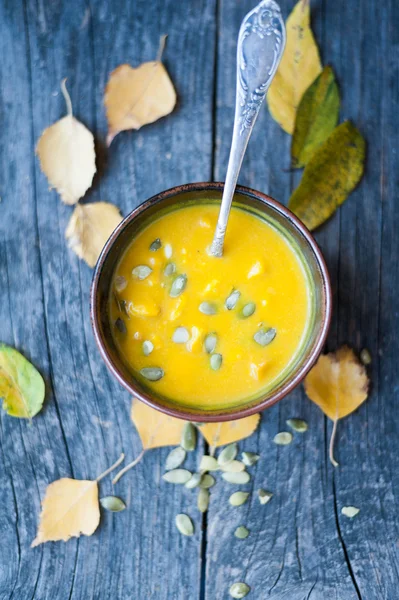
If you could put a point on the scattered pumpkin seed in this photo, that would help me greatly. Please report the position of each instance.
(228, 454)
(249, 458)
(241, 532)
(175, 458)
(238, 498)
(181, 335)
(120, 283)
(147, 347)
(239, 590)
(265, 336)
(167, 251)
(365, 357)
(179, 476)
(235, 466)
(155, 245)
(232, 299)
(152, 373)
(283, 438)
(169, 269)
(184, 524)
(207, 308)
(203, 500)
(189, 437)
(141, 272)
(238, 478)
(120, 325)
(297, 425)
(216, 361)
(264, 496)
(210, 342)
(194, 481)
(248, 310)
(112, 503)
(207, 481)
(208, 463)
(178, 286)
(350, 511)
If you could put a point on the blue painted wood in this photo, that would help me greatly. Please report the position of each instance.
(300, 546)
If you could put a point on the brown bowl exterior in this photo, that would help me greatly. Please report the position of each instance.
(102, 279)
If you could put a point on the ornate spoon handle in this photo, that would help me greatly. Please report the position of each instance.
(261, 42)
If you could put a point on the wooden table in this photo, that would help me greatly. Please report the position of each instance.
(300, 547)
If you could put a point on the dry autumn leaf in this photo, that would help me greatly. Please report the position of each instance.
(219, 434)
(90, 227)
(299, 67)
(137, 96)
(67, 156)
(338, 384)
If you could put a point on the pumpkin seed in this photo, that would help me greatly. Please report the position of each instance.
(235, 466)
(283, 438)
(112, 503)
(124, 308)
(152, 373)
(216, 361)
(265, 336)
(147, 347)
(264, 497)
(120, 325)
(238, 498)
(141, 272)
(155, 245)
(184, 524)
(248, 310)
(350, 511)
(297, 425)
(175, 458)
(179, 476)
(365, 357)
(238, 478)
(169, 269)
(208, 463)
(120, 283)
(239, 590)
(178, 286)
(207, 308)
(167, 251)
(189, 437)
(241, 532)
(194, 481)
(228, 454)
(181, 335)
(249, 458)
(210, 343)
(207, 481)
(232, 299)
(203, 500)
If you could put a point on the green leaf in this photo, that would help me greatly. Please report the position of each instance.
(316, 117)
(330, 176)
(21, 385)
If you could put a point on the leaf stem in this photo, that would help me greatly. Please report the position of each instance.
(161, 48)
(111, 468)
(332, 440)
(128, 467)
(67, 97)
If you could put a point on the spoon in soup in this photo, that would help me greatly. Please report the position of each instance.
(260, 46)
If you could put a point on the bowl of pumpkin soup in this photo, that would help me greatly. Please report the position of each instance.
(206, 338)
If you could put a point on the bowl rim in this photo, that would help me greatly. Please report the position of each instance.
(231, 413)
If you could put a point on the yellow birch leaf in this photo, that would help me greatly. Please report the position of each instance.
(70, 508)
(219, 434)
(299, 67)
(338, 384)
(137, 96)
(67, 156)
(90, 227)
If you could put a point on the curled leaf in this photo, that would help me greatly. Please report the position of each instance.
(316, 117)
(330, 176)
(67, 156)
(90, 227)
(21, 385)
(136, 97)
(298, 68)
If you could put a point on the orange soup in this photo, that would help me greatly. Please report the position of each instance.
(208, 332)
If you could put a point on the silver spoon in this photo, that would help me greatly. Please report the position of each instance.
(261, 43)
